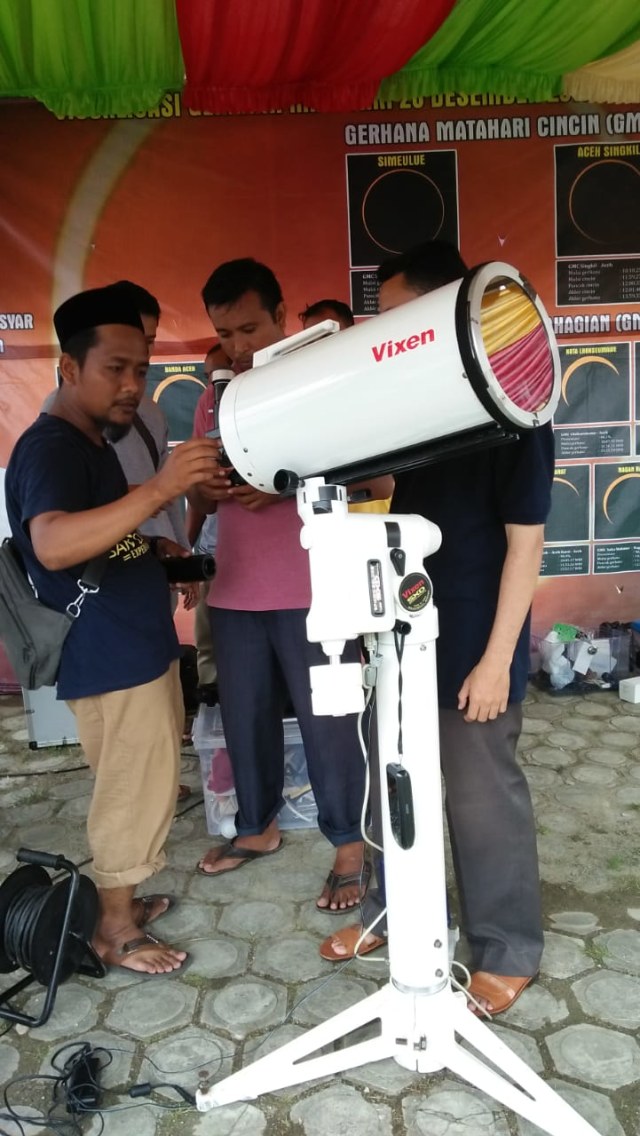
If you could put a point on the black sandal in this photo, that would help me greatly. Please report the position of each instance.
(334, 882)
(230, 851)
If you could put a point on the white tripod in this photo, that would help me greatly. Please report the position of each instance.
(367, 576)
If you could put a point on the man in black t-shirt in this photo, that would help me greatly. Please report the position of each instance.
(491, 508)
(68, 504)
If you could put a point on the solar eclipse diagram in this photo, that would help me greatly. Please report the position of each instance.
(597, 202)
(396, 200)
(594, 524)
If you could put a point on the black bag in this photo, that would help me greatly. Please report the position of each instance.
(189, 678)
(32, 633)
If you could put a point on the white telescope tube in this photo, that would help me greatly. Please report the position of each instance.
(469, 355)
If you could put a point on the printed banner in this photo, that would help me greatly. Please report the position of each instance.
(162, 198)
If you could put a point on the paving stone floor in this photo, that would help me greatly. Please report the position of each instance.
(257, 980)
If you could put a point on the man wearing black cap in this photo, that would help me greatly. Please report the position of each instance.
(67, 503)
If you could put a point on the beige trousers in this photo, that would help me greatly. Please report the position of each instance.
(131, 739)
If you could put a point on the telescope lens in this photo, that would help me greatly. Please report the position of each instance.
(517, 345)
(507, 345)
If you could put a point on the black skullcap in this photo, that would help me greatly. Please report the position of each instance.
(93, 308)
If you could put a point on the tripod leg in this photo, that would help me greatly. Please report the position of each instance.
(287, 1065)
(528, 1095)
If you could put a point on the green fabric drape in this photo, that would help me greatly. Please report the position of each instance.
(515, 47)
(90, 57)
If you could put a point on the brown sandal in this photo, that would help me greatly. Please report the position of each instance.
(349, 937)
(499, 990)
(148, 940)
(147, 902)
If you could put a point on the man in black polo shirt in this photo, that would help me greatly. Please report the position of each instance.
(491, 508)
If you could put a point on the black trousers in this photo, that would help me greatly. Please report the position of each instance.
(493, 840)
(262, 656)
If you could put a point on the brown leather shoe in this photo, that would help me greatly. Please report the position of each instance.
(499, 990)
(349, 936)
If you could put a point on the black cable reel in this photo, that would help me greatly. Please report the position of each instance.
(46, 928)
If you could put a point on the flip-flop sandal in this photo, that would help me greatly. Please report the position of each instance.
(229, 851)
(334, 882)
(500, 990)
(147, 902)
(349, 937)
(148, 940)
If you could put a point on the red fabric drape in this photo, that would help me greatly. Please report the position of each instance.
(244, 56)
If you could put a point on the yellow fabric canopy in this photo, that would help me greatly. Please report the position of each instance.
(614, 79)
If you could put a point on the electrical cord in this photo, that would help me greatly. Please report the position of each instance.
(190, 807)
(83, 863)
(89, 859)
(146, 1088)
(53, 1121)
(76, 1091)
(58, 772)
(463, 987)
(399, 636)
(12, 1120)
(44, 772)
(310, 993)
(370, 682)
(177, 1072)
(368, 931)
(78, 1086)
(365, 746)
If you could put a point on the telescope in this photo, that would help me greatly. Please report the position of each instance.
(468, 365)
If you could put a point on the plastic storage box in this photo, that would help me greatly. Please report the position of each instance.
(597, 660)
(299, 810)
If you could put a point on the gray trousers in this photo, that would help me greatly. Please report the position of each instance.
(493, 840)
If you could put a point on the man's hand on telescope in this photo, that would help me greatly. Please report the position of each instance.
(485, 692)
(252, 499)
(204, 496)
(215, 489)
(188, 465)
